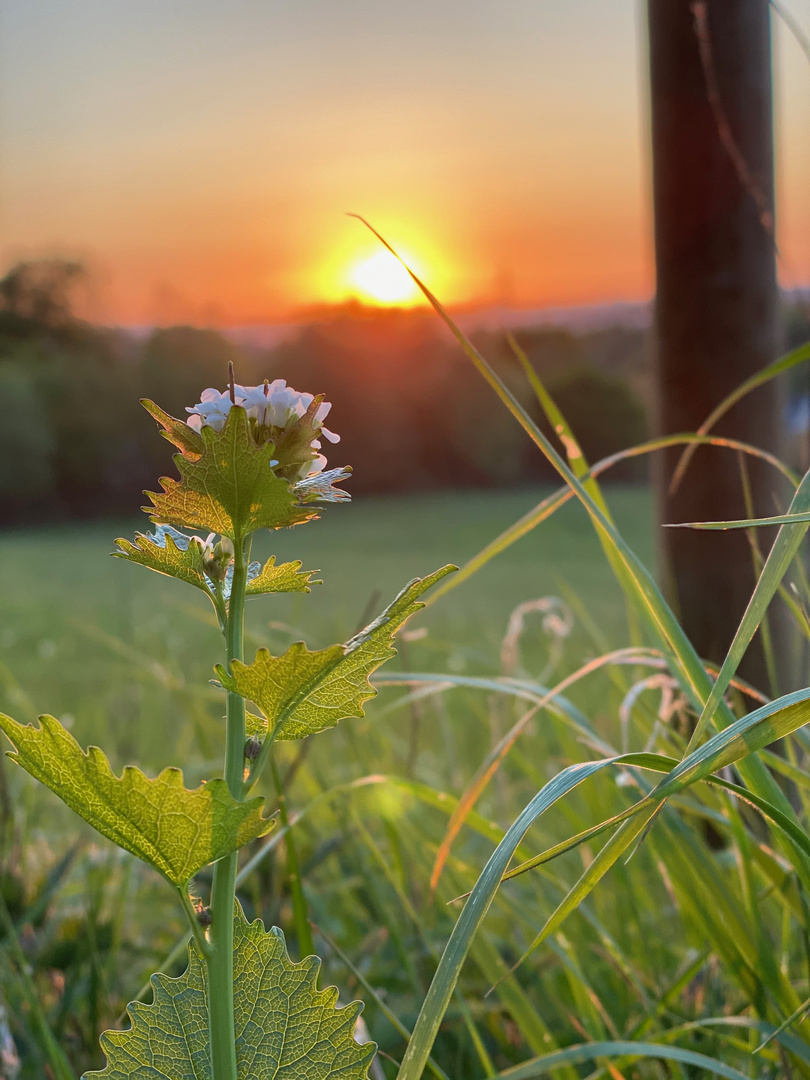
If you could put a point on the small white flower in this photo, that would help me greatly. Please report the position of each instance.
(212, 409)
(274, 404)
(271, 404)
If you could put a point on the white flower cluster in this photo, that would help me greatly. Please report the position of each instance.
(272, 404)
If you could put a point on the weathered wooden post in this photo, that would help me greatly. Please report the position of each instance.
(716, 294)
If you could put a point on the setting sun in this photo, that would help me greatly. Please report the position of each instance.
(382, 279)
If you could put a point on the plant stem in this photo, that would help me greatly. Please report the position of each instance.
(223, 892)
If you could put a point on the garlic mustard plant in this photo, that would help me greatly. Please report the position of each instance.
(249, 459)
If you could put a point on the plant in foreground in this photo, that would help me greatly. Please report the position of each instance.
(249, 460)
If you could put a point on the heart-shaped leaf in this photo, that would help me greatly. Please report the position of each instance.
(303, 692)
(286, 1028)
(175, 830)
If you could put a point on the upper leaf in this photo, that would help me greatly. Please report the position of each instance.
(229, 488)
(176, 431)
(287, 577)
(286, 1029)
(175, 830)
(294, 444)
(303, 692)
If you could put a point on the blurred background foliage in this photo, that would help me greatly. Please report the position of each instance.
(75, 444)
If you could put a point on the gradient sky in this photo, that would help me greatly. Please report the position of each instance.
(201, 156)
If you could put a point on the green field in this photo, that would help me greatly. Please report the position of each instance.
(75, 622)
(670, 947)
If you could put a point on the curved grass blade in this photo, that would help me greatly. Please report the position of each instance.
(635, 578)
(778, 367)
(684, 660)
(781, 555)
(741, 739)
(575, 1055)
(798, 1047)
(562, 429)
(524, 690)
(548, 506)
(744, 737)
(742, 523)
(661, 763)
(438, 997)
(498, 753)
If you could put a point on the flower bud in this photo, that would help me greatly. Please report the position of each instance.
(252, 748)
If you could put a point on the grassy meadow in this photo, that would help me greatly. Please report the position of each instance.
(108, 643)
(670, 948)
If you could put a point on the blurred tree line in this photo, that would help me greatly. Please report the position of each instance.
(411, 411)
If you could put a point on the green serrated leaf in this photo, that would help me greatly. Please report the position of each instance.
(287, 577)
(286, 1028)
(303, 692)
(229, 488)
(175, 830)
(188, 441)
(255, 725)
(294, 444)
(170, 560)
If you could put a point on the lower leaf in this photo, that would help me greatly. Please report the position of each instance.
(285, 1027)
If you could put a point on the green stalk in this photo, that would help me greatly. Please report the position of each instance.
(223, 892)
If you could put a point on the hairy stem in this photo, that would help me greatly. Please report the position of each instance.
(220, 957)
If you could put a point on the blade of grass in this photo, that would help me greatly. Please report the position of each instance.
(660, 763)
(303, 932)
(744, 523)
(441, 988)
(681, 655)
(742, 738)
(784, 550)
(553, 502)
(778, 367)
(579, 466)
(390, 1016)
(576, 1055)
(497, 754)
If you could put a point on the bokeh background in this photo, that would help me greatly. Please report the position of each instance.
(174, 185)
(174, 182)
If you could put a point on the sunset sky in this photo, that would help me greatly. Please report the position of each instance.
(200, 156)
